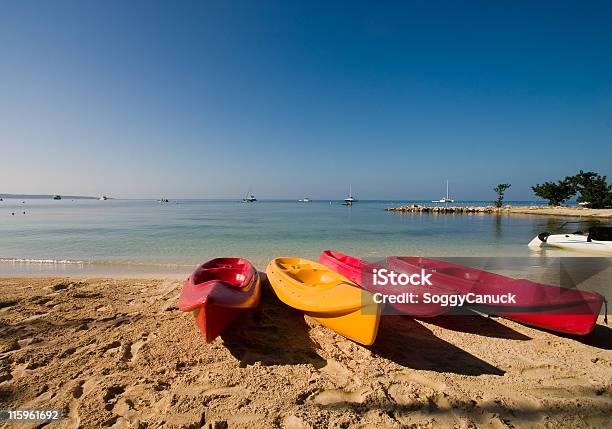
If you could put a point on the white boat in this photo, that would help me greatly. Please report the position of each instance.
(598, 240)
(163, 200)
(249, 197)
(444, 199)
(103, 198)
(348, 201)
(305, 200)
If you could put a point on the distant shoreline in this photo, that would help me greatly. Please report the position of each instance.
(44, 196)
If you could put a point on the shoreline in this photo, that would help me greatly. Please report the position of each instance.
(563, 211)
(118, 352)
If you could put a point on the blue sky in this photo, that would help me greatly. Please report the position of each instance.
(293, 99)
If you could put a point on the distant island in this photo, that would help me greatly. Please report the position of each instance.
(44, 197)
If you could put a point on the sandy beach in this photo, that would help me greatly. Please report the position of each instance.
(571, 211)
(118, 353)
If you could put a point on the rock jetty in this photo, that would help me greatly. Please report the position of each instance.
(565, 211)
(443, 209)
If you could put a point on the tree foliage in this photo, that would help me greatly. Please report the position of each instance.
(591, 187)
(555, 193)
(499, 190)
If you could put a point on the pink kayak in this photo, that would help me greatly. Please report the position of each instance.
(550, 307)
(360, 272)
(218, 291)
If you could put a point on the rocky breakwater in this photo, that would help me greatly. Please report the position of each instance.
(444, 209)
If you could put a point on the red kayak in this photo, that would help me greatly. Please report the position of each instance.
(218, 291)
(360, 272)
(550, 307)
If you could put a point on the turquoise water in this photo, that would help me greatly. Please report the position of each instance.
(184, 232)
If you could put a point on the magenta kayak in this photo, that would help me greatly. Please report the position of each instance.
(361, 273)
(545, 306)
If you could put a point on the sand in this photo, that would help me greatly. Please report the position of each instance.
(118, 353)
(560, 211)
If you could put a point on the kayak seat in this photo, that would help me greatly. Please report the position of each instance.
(313, 277)
(231, 276)
(289, 264)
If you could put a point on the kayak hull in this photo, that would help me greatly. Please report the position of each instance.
(218, 291)
(360, 272)
(569, 311)
(579, 319)
(345, 265)
(326, 296)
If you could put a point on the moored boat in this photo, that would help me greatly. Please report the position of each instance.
(348, 201)
(326, 296)
(361, 273)
(570, 311)
(597, 241)
(446, 199)
(218, 291)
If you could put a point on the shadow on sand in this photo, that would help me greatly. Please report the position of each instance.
(525, 416)
(601, 337)
(406, 342)
(476, 324)
(273, 334)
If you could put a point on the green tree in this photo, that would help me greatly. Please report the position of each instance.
(499, 190)
(555, 193)
(593, 188)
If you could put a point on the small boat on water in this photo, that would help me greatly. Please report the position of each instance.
(361, 273)
(348, 201)
(163, 200)
(326, 296)
(103, 198)
(57, 197)
(569, 311)
(249, 197)
(218, 291)
(597, 241)
(446, 199)
(305, 200)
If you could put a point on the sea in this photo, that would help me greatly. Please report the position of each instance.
(145, 237)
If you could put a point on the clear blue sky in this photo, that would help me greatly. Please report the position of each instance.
(204, 99)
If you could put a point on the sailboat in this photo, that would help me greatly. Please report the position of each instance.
(444, 199)
(348, 201)
(249, 197)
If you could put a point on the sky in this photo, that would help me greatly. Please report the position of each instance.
(205, 99)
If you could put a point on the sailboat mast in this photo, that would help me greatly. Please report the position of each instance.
(447, 189)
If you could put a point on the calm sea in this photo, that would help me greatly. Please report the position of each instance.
(65, 236)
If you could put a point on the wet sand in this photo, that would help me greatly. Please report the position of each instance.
(118, 353)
